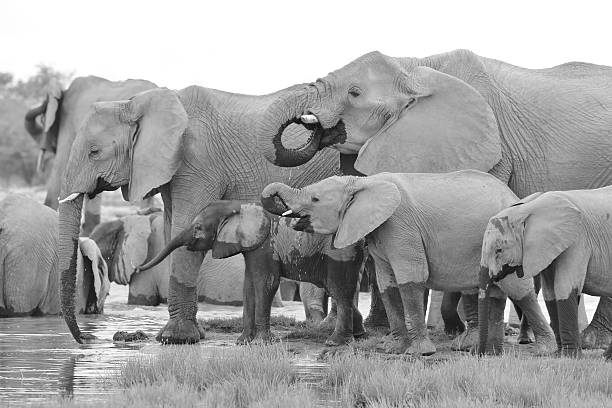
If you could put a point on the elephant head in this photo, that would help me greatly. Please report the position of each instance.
(133, 144)
(42, 124)
(92, 278)
(226, 227)
(407, 111)
(349, 207)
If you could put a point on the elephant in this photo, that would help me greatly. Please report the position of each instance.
(231, 227)
(61, 114)
(193, 146)
(534, 129)
(423, 230)
(29, 276)
(134, 239)
(566, 238)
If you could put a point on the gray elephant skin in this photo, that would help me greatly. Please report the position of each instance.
(29, 276)
(564, 236)
(55, 122)
(423, 230)
(272, 249)
(534, 129)
(194, 146)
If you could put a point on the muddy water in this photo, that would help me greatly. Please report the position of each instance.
(39, 359)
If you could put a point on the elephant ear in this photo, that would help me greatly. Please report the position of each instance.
(450, 127)
(552, 225)
(372, 204)
(156, 145)
(89, 249)
(54, 96)
(133, 248)
(241, 232)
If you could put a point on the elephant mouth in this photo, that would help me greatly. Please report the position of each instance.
(508, 270)
(325, 136)
(302, 224)
(101, 185)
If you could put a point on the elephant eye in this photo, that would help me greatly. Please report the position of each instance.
(315, 199)
(94, 150)
(498, 251)
(354, 91)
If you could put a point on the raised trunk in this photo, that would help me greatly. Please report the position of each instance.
(184, 238)
(483, 309)
(277, 118)
(30, 123)
(69, 228)
(278, 198)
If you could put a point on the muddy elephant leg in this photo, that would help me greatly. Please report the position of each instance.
(568, 325)
(412, 295)
(453, 324)
(313, 298)
(266, 278)
(248, 309)
(91, 218)
(598, 333)
(468, 340)
(377, 316)
(526, 335)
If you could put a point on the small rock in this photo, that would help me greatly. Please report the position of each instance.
(138, 335)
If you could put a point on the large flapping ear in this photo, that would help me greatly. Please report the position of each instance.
(54, 96)
(156, 145)
(241, 232)
(553, 224)
(133, 249)
(90, 250)
(448, 127)
(373, 202)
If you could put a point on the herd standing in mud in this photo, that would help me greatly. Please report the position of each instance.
(384, 158)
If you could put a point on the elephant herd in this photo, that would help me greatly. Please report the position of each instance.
(467, 175)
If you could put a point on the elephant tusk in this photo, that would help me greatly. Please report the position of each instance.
(286, 213)
(69, 198)
(40, 166)
(309, 119)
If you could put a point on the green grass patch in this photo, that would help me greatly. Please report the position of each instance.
(234, 324)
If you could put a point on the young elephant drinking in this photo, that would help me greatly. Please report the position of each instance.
(567, 237)
(231, 227)
(423, 230)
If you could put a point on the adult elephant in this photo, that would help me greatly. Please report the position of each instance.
(55, 122)
(29, 275)
(194, 146)
(536, 130)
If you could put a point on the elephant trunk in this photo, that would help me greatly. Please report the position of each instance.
(182, 239)
(483, 309)
(277, 121)
(278, 198)
(30, 123)
(69, 228)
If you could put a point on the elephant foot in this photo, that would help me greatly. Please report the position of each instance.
(594, 337)
(608, 353)
(245, 338)
(454, 327)
(421, 347)
(376, 321)
(329, 321)
(180, 332)
(466, 341)
(265, 337)
(526, 337)
(337, 339)
(392, 344)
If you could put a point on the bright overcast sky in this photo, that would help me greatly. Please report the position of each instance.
(261, 46)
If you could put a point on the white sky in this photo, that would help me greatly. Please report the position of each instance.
(261, 46)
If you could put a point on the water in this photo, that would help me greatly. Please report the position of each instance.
(39, 359)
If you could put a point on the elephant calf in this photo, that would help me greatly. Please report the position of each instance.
(566, 237)
(232, 227)
(423, 230)
(29, 276)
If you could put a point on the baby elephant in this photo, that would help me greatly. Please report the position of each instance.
(567, 237)
(29, 276)
(423, 230)
(232, 227)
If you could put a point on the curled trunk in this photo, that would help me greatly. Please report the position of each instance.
(184, 238)
(278, 198)
(69, 228)
(30, 123)
(483, 309)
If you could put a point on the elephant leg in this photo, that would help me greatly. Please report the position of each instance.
(266, 278)
(468, 340)
(313, 298)
(453, 324)
(526, 334)
(551, 307)
(608, 353)
(182, 326)
(377, 316)
(289, 289)
(598, 333)
(412, 295)
(568, 325)
(548, 285)
(248, 309)
(330, 319)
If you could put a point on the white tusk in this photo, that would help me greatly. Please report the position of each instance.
(39, 161)
(309, 119)
(286, 213)
(69, 198)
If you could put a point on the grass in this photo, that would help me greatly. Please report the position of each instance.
(234, 324)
